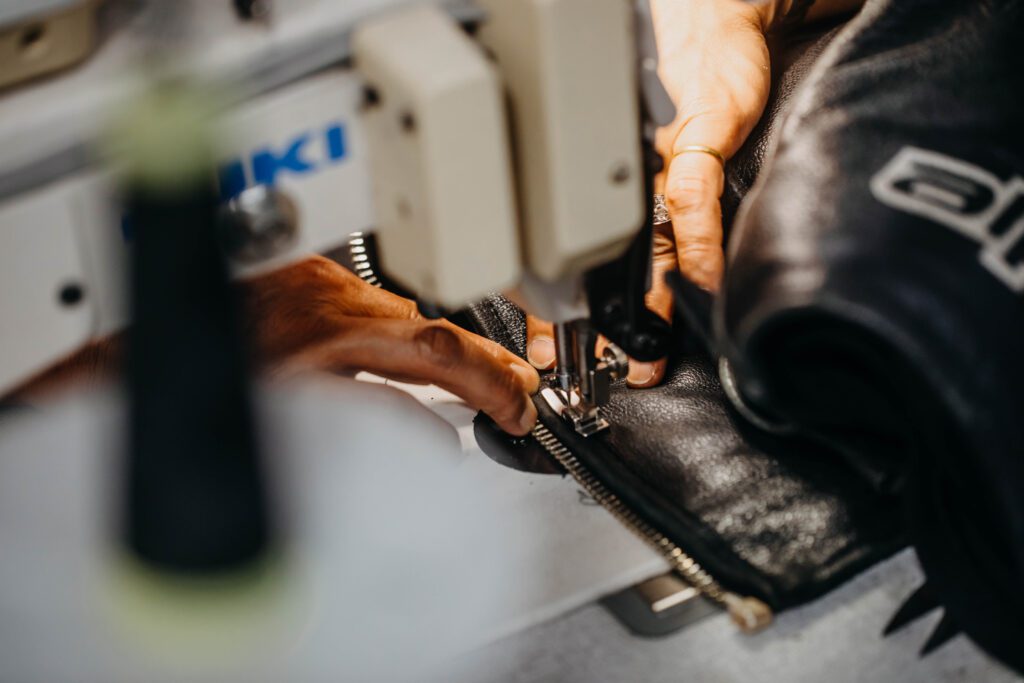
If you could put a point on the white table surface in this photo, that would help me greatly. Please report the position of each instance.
(544, 558)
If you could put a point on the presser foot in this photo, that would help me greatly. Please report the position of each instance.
(585, 419)
(587, 422)
(582, 380)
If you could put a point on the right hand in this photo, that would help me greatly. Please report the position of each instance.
(713, 61)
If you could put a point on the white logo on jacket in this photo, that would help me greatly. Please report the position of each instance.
(967, 198)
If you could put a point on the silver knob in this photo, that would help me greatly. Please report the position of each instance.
(259, 223)
(616, 361)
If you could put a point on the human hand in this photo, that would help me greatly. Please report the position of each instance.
(714, 64)
(713, 61)
(316, 315)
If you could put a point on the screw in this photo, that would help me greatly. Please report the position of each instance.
(252, 9)
(620, 173)
(371, 97)
(31, 42)
(71, 294)
(404, 209)
(408, 122)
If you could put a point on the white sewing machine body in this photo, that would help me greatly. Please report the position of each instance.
(296, 116)
(70, 232)
(454, 220)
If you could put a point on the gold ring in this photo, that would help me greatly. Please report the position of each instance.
(703, 149)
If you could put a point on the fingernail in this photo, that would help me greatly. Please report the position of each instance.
(528, 418)
(541, 352)
(529, 377)
(640, 374)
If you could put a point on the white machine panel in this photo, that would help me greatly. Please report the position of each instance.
(307, 141)
(39, 249)
(570, 68)
(105, 249)
(440, 160)
(304, 139)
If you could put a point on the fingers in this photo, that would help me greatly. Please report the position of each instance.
(318, 282)
(663, 261)
(292, 308)
(97, 362)
(540, 343)
(315, 314)
(540, 348)
(693, 186)
(714, 62)
(485, 375)
(659, 300)
(694, 182)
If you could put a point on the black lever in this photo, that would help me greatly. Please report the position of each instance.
(616, 290)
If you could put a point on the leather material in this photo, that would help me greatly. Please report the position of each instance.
(875, 292)
(793, 54)
(766, 517)
(798, 523)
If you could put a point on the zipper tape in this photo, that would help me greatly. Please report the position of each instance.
(748, 613)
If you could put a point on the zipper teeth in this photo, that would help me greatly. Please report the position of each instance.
(750, 614)
(361, 259)
(694, 574)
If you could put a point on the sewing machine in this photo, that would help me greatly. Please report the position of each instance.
(334, 118)
(337, 118)
(490, 146)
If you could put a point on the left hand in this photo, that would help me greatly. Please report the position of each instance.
(317, 315)
(314, 315)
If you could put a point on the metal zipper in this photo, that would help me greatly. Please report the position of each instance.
(361, 264)
(748, 613)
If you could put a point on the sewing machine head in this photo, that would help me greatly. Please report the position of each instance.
(491, 146)
(563, 213)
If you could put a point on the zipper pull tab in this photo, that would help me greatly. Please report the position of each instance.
(749, 614)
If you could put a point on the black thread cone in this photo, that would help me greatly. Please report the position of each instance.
(195, 495)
